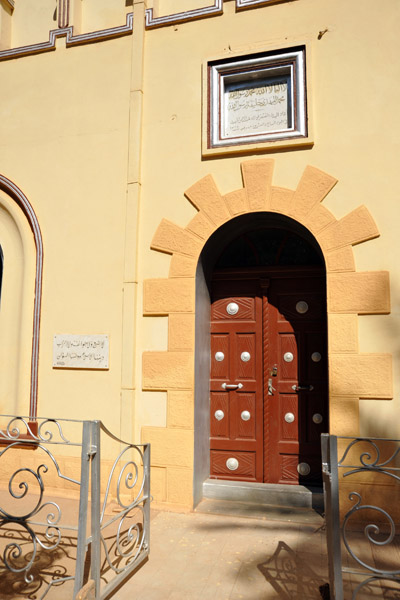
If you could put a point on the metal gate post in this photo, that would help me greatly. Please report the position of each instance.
(83, 507)
(146, 492)
(95, 506)
(332, 514)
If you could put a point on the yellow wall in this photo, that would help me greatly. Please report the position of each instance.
(104, 151)
(64, 140)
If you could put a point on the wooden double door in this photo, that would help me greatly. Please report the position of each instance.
(269, 382)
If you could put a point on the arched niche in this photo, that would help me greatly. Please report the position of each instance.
(20, 302)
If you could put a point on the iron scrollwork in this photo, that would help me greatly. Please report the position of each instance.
(29, 522)
(33, 532)
(13, 552)
(130, 539)
(379, 457)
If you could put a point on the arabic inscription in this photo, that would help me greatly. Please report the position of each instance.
(80, 351)
(256, 109)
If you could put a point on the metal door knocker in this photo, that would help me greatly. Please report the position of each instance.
(232, 308)
(219, 415)
(302, 307)
(289, 417)
(232, 464)
(303, 469)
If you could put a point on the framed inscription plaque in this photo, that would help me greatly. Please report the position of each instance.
(80, 351)
(258, 99)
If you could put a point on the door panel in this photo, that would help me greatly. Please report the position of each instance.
(236, 387)
(268, 376)
(288, 419)
(246, 308)
(245, 366)
(246, 416)
(295, 309)
(220, 364)
(219, 423)
(246, 461)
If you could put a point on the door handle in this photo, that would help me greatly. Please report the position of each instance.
(302, 388)
(271, 388)
(232, 386)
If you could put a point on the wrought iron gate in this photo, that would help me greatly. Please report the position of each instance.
(362, 508)
(53, 487)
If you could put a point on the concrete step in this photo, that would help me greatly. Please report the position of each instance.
(292, 496)
(268, 512)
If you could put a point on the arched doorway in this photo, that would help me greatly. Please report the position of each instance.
(184, 368)
(268, 378)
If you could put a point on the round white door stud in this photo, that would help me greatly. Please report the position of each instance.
(245, 415)
(316, 357)
(302, 307)
(289, 417)
(303, 469)
(232, 464)
(219, 415)
(288, 357)
(317, 418)
(245, 356)
(232, 308)
(219, 356)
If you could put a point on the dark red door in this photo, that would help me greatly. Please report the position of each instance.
(268, 390)
(236, 389)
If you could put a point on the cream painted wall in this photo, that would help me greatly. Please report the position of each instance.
(64, 140)
(5, 25)
(31, 21)
(101, 14)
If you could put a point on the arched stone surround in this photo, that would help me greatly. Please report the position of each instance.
(352, 375)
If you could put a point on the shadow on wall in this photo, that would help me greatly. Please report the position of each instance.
(383, 423)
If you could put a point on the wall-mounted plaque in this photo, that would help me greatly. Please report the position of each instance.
(80, 351)
(258, 99)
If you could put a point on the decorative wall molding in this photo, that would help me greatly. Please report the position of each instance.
(63, 13)
(151, 22)
(243, 4)
(175, 18)
(71, 39)
(200, 13)
(9, 3)
(16, 194)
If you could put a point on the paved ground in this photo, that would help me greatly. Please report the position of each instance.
(228, 551)
(205, 556)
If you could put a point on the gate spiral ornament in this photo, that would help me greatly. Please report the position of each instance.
(33, 535)
(370, 530)
(379, 458)
(13, 552)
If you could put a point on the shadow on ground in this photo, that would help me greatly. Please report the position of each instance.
(290, 576)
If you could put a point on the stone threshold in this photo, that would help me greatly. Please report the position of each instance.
(259, 496)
